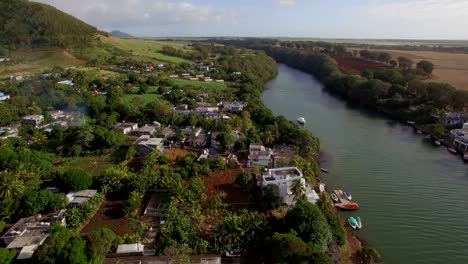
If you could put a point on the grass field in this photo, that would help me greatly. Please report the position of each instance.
(198, 84)
(94, 165)
(449, 67)
(146, 48)
(37, 60)
(141, 99)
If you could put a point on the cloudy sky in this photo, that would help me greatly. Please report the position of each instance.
(401, 19)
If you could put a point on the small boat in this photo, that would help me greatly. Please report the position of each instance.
(341, 194)
(437, 142)
(419, 132)
(427, 137)
(324, 170)
(322, 187)
(452, 150)
(301, 120)
(348, 206)
(335, 198)
(348, 195)
(358, 222)
(353, 223)
(410, 122)
(465, 157)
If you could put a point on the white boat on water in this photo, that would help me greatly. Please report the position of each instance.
(301, 120)
(437, 142)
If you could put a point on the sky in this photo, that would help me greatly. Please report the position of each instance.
(369, 19)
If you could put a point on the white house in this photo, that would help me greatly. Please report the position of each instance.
(33, 120)
(126, 127)
(66, 82)
(148, 130)
(4, 96)
(259, 155)
(145, 145)
(460, 137)
(285, 179)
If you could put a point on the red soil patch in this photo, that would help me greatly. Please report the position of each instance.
(173, 153)
(356, 65)
(110, 215)
(224, 181)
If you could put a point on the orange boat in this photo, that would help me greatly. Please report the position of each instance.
(348, 206)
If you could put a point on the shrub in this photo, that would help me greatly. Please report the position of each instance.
(244, 180)
(74, 180)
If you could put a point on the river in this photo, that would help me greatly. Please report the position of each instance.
(413, 195)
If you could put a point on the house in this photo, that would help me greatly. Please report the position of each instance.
(174, 76)
(200, 75)
(460, 137)
(78, 199)
(195, 137)
(234, 107)
(33, 120)
(130, 249)
(185, 74)
(126, 128)
(167, 132)
(204, 68)
(66, 82)
(161, 66)
(204, 109)
(148, 130)
(219, 81)
(4, 96)
(259, 155)
(208, 79)
(30, 232)
(146, 144)
(285, 179)
(236, 73)
(455, 118)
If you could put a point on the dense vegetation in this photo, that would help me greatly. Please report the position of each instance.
(29, 24)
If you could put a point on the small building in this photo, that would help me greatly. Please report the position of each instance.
(455, 118)
(33, 120)
(125, 127)
(146, 144)
(219, 81)
(185, 74)
(67, 82)
(78, 199)
(147, 130)
(259, 155)
(204, 109)
(204, 68)
(161, 66)
(200, 75)
(30, 232)
(130, 249)
(174, 76)
(4, 96)
(167, 132)
(208, 80)
(234, 107)
(285, 179)
(460, 138)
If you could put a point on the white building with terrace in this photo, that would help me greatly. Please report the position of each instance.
(285, 179)
(460, 137)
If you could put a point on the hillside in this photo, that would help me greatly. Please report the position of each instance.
(25, 24)
(120, 34)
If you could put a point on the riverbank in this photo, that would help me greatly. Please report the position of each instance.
(388, 168)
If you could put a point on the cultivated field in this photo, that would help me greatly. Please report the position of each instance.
(449, 67)
(197, 84)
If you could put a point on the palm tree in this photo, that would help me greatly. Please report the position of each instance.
(298, 190)
(10, 186)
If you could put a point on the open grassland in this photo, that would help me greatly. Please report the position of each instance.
(449, 67)
(182, 83)
(37, 60)
(140, 99)
(94, 165)
(146, 48)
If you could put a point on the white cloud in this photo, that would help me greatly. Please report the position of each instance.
(142, 15)
(286, 3)
(414, 18)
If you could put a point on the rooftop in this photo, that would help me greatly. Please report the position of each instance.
(285, 173)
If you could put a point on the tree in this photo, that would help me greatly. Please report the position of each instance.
(244, 180)
(10, 185)
(131, 152)
(426, 66)
(287, 248)
(226, 140)
(100, 242)
(271, 196)
(298, 190)
(405, 63)
(7, 256)
(42, 201)
(74, 180)
(310, 224)
(133, 202)
(115, 177)
(61, 246)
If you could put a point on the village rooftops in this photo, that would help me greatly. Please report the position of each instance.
(125, 127)
(146, 130)
(78, 199)
(31, 231)
(461, 134)
(281, 174)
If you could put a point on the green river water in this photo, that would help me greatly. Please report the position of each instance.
(413, 195)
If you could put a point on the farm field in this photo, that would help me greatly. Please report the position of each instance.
(140, 99)
(146, 48)
(356, 65)
(37, 60)
(197, 84)
(224, 181)
(451, 68)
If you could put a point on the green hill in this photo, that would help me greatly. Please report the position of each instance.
(120, 34)
(25, 24)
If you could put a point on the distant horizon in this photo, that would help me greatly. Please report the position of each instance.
(333, 19)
